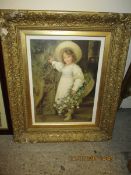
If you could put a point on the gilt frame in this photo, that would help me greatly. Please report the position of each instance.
(16, 24)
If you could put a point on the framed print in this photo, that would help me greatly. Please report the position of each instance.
(53, 81)
(5, 120)
(64, 71)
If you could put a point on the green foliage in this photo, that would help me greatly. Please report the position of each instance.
(73, 101)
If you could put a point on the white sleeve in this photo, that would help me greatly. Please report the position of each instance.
(78, 78)
(57, 65)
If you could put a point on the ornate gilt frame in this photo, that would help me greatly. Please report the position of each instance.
(116, 25)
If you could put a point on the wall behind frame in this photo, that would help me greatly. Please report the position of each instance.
(119, 6)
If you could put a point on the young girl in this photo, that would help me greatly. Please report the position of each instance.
(72, 77)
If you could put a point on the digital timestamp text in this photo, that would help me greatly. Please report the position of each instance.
(90, 158)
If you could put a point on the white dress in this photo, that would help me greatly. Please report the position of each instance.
(72, 78)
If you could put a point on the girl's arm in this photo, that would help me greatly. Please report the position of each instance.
(78, 78)
(57, 65)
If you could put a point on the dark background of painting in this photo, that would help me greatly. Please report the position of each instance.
(45, 78)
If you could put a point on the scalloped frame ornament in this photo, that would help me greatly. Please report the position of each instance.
(17, 24)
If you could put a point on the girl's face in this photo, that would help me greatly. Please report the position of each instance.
(68, 59)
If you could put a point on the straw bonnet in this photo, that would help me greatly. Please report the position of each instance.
(68, 44)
